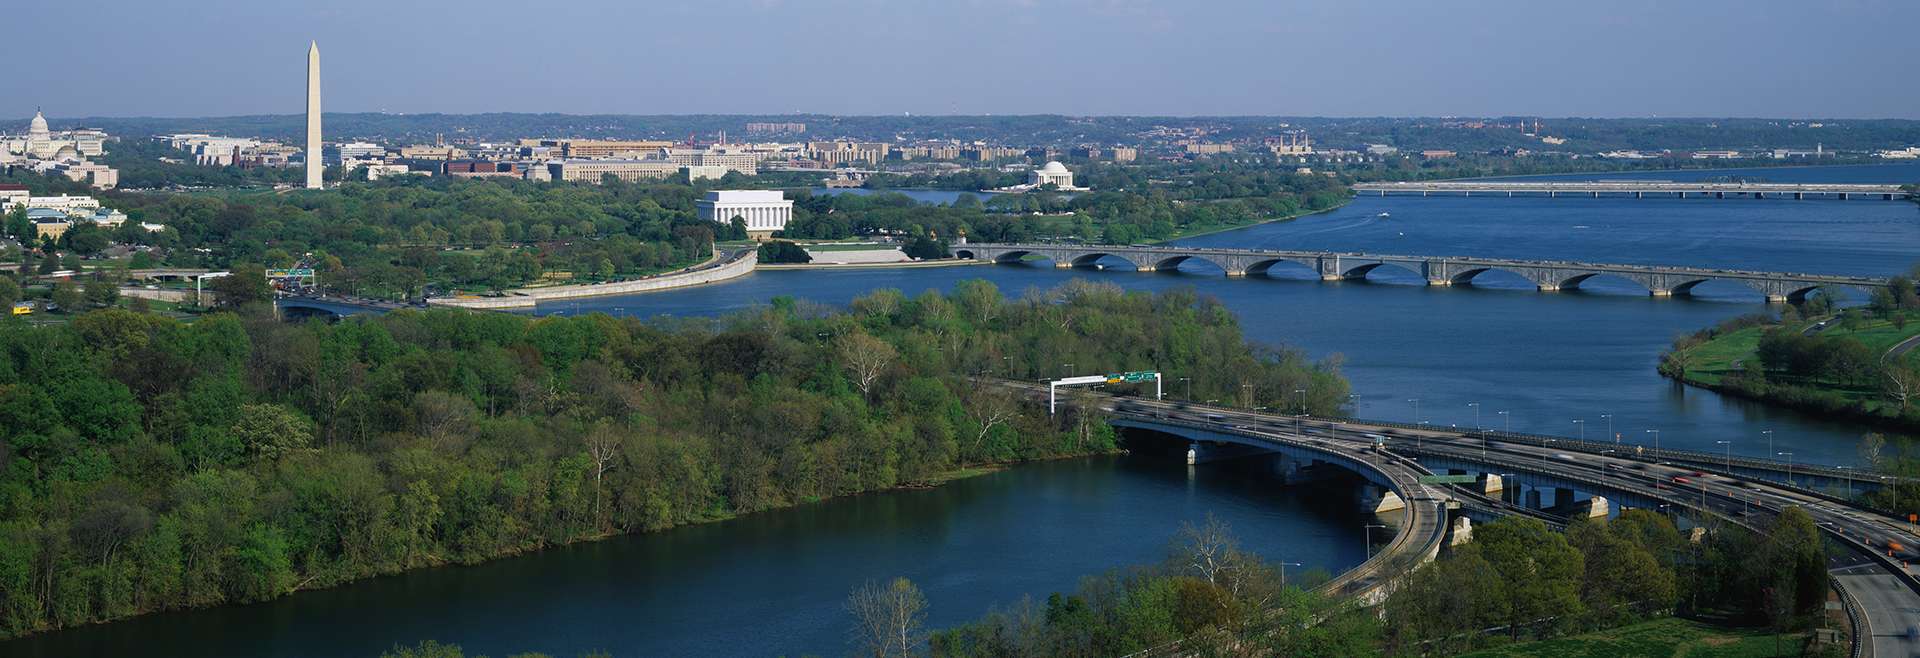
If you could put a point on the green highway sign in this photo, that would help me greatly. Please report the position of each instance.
(1132, 377)
(1449, 479)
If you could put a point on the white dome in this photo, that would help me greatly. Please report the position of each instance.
(1054, 167)
(39, 124)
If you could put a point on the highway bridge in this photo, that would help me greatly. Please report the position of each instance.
(1881, 596)
(301, 307)
(1638, 189)
(1546, 275)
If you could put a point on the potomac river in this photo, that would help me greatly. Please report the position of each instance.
(773, 583)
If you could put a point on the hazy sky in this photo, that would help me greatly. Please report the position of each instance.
(1771, 58)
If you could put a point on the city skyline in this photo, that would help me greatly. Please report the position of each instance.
(1075, 58)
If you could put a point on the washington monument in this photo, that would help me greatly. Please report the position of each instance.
(316, 164)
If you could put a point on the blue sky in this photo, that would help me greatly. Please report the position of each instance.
(1772, 58)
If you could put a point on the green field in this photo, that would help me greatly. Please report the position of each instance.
(1729, 352)
(1663, 637)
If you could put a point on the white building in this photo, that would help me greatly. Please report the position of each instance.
(43, 144)
(71, 205)
(1053, 173)
(764, 211)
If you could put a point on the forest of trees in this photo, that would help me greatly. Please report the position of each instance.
(152, 464)
(1525, 581)
(1516, 580)
(1211, 595)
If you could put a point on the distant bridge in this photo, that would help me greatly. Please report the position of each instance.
(1546, 275)
(1639, 189)
(299, 307)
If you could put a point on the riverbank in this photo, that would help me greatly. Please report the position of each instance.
(1180, 235)
(1729, 362)
(736, 264)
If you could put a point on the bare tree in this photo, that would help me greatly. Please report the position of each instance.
(603, 447)
(989, 407)
(1207, 551)
(866, 358)
(1901, 382)
(1870, 447)
(888, 620)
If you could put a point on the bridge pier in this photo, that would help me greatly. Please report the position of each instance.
(1461, 532)
(1202, 452)
(1491, 484)
(1659, 292)
(1380, 500)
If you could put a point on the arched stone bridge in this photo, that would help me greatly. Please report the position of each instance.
(1659, 280)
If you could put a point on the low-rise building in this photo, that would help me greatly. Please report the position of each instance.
(592, 171)
(98, 176)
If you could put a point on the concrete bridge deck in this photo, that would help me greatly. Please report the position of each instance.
(1546, 275)
(1638, 189)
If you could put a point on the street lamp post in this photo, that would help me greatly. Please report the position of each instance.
(1789, 456)
(1303, 400)
(1656, 443)
(1368, 541)
(1508, 419)
(1283, 572)
(1416, 410)
(1189, 382)
(1610, 434)
(1476, 415)
(1769, 434)
(1729, 445)
(1581, 425)
(1067, 369)
(1849, 479)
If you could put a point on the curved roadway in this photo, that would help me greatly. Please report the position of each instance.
(1874, 577)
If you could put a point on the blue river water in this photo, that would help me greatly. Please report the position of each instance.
(773, 583)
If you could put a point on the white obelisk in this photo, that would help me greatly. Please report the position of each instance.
(316, 164)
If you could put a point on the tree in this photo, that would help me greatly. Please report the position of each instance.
(67, 296)
(781, 251)
(246, 285)
(1901, 381)
(888, 620)
(101, 292)
(1540, 573)
(270, 431)
(924, 248)
(1870, 446)
(866, 358)
(9, 293)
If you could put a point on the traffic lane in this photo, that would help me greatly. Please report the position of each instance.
(1890, 609)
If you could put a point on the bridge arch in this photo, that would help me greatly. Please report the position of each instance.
(965, 254)
(1265, 266)
(1091, 259)
(1361, 271)
(1173, 263)
(1014, 256)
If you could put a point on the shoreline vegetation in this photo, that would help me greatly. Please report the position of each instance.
(1861, 363)
(160, 465)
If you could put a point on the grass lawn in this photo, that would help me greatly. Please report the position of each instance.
(1725, 353)
(1678, 638)
(1729, 352)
